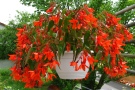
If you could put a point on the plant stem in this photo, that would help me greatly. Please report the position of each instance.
(28, 55)
(101, 81)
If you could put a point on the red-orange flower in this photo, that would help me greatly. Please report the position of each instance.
(50, 76)
(91, 61)
(49, 10)
(68, 46)
(55, 19)
(12, 57)
(37, 23)
(75, 24)
(74, 64)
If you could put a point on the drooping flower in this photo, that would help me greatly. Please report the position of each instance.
(37, 23)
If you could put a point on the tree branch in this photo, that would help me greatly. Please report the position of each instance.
(131, 41)
(129, 55)
(130, 71)
(130, 24)
(125, 10)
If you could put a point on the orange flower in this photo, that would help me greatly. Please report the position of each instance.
(75, 24)
(111, 20)
(37, 23)
(87, 76)
(68, 46)
(50, 76)
(54, 18)
(74, 64)
(12, 57)
(91, 61)
(16, 73)
(49, 10)
(38, 56)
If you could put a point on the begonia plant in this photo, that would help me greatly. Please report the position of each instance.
(39, 47)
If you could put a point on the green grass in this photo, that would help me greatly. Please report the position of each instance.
(6, 82)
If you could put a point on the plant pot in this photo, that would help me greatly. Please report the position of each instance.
(65, 71)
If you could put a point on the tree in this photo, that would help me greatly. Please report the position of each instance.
(8, 35)
(42, 5)
(21, 19)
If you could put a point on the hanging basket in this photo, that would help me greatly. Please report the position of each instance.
(65, 71)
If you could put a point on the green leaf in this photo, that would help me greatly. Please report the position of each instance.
(49, 70)
(78, 50)
(66, 22)
(61, 49)
(66, 37)
(51, 23)
(32, 64)
(109, 59)
(86, 38)
(60, 22)
(77, 86)
(98, 55)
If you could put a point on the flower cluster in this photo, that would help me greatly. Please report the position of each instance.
(39, 47)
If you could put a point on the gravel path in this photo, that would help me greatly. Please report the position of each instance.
(5, 64)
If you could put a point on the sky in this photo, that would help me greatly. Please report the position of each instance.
(8, 9)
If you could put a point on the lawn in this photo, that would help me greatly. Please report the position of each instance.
(6, 82)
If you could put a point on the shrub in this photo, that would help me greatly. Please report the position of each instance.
(7, 43)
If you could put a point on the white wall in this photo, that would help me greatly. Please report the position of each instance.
(2, 27)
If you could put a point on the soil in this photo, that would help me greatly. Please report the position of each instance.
(129, 80)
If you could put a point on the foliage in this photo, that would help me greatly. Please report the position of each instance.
(40, 46)
(130, 49)
(21, 19)
(42, 5)
(6, 82)
(102, 5)
(130, 63)
(127, 16)
(7, 44)
(64, 84)
(8, 35)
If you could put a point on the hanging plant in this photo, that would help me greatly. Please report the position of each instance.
(98, 40)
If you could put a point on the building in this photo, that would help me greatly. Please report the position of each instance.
(2, 25)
